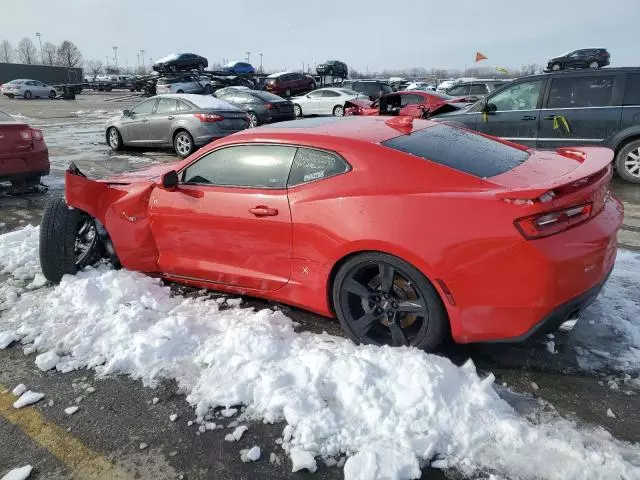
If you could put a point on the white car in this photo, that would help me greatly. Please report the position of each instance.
(420, 86)
(325, 101)
(28, 89)
(184, 84)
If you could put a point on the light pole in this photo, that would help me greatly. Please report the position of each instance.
(261, 71)
(40, 42)
(106, 57)
(143, 67)
(138, 62)
(248, 57)
(115, 57)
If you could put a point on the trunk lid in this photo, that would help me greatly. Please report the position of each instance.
(15, 137)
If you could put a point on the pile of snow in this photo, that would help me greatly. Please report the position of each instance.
(391, 410)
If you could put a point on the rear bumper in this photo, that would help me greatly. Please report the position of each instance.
(535, 285)
(25, 165)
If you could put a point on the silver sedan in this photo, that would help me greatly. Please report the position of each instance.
(181, 121)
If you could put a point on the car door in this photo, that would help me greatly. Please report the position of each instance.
(312, 100)
(228, 221)
(581, 109)
(328, 101)
(136, 130)
(512, 113)
(572, 60)
(161, 121)
(43, 89)
(410, 104)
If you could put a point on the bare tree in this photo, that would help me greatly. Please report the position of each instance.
(68, 54)
(49, 53)
(94, 67)
(6, 52)
(27, 52)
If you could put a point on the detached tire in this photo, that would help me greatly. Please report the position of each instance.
(59, 252)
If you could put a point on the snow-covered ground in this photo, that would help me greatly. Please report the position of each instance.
(390, 410)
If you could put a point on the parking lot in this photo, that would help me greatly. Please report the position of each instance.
(121, 432)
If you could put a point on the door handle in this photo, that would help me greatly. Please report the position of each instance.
(262, 211)
(549, 117)
(529, 117)
(170, 117)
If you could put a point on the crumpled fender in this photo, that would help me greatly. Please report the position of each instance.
(123, 211)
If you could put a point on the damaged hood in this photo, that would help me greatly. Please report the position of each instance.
(151, 174)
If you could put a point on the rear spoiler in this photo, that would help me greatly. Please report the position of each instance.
(593, 162)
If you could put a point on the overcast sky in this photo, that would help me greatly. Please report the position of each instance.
(376, 34)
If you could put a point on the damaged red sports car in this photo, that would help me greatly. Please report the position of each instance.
(412, 103)
(405, 230)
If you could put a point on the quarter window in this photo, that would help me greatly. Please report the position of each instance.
(523, 96)
(183, 107)
(257, 166)
(459, 91)
(409, 100)
(309, 165)
(583, 91)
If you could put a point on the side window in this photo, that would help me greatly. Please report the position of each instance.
(309, 165)
(258, 166)
(409, 100)
(478, 89)
(183, 107)
(523, 96)
(583, 91)
(144, 108)
(632, 89)
(316, 94)
(242, 97)
(459, 91)
(166, 105)
(330, 93)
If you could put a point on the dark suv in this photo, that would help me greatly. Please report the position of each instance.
(583, 58)
(474, 90)
(374, 89)
(287, 84)
(587, 107)
(333, 68)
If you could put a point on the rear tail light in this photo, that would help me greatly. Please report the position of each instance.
(36, 135)
(25, 134)
(269, 106)
(545, 224)
(208, 117)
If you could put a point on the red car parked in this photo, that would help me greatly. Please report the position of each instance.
(404, 229)
(413, 103)
(287, 84)
(24, 156)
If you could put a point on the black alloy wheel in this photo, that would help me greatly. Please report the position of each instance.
(382, 300)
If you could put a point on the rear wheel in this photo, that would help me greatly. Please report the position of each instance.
(253, 120)
(382, 300)
(180, 91)
(69, 241)
(338, 111)
(114, 138)
(52, 94)
(208, 89)
(556, 66)
(287, 93)
(628, 162)
(201, 67)
(594, 64)
(183, 143)
(312, 86)
(297, 110)
(27, 94)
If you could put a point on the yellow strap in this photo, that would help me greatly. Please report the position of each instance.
(485, 117)
(560, 120)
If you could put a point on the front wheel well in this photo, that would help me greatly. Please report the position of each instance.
(625, 141)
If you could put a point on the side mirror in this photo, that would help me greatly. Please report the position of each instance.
(126, 113)
(169, 180)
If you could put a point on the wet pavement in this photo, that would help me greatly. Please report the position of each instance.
(578, 374)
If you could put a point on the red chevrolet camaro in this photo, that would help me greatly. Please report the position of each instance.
(406, 230)
(412, 103)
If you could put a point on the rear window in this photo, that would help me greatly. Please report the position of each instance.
(266, 96)
(632, 89)
(462, 150)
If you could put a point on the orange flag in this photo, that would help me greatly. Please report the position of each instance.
(480, 56)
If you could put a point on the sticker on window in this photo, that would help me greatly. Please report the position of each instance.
(313, 176)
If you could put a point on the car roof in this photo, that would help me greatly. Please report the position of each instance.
(583, 71)
(369, 129)
(200, 101)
